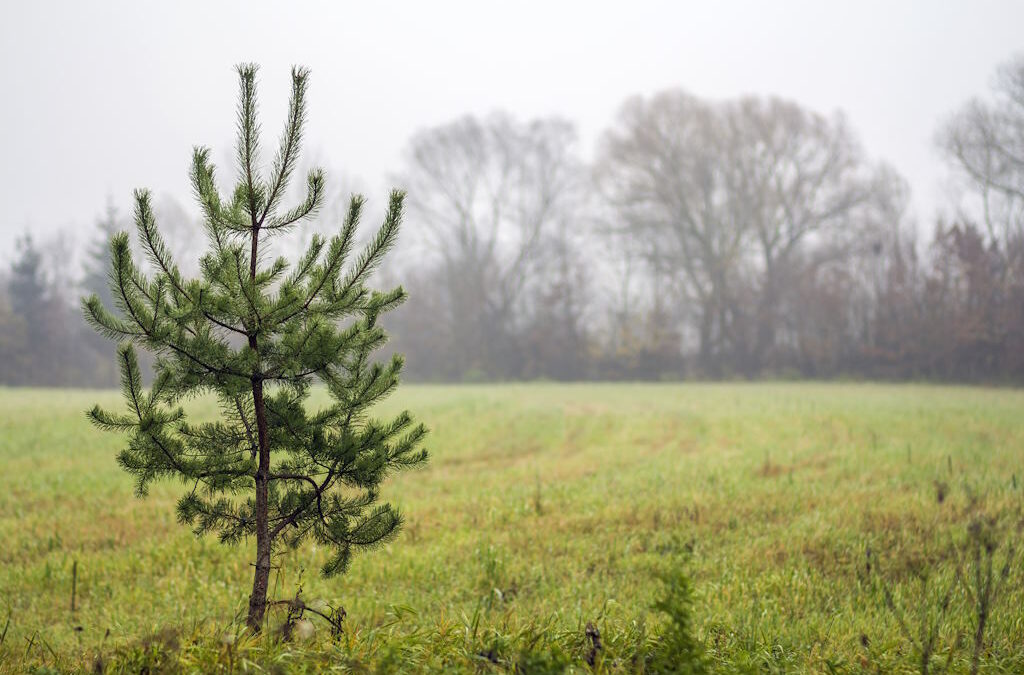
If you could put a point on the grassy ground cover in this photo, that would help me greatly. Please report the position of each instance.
(825, 527)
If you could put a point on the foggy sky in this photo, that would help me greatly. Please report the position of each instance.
(101, 98)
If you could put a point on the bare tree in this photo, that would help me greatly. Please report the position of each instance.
(982, 271)
(556, 339)
(729, 197)
(491, 194)
(984, 142)
(657, 169)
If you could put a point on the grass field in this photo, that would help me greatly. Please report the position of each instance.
(546, 507)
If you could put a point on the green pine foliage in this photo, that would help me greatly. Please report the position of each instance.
(678, 649)
(258, 333)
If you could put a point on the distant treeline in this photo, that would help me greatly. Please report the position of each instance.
(739, 238)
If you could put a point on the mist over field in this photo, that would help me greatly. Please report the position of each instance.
(511, 338)
(668, 192)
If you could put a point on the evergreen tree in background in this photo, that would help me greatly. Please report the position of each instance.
(257, 333)
(38, 329)
(96, 281)
(96, 277)
(27, 285)
(30, 306)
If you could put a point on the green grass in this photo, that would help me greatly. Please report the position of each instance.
(546, 507)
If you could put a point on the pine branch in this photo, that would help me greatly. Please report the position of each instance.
(341, 244)
(161, 257)
(291, 140)
(310, 205)
(106, 323)
(246, 291)
(205, 191)
(381, 244)
(123, 268)
(248, 134)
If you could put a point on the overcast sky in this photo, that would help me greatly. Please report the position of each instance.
(100, 98)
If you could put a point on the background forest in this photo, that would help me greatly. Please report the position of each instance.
(747, 237)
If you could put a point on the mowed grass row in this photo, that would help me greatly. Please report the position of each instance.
(546, 507)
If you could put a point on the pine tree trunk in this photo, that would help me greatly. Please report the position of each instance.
(261, 578)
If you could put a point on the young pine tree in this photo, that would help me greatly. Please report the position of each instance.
(257, 333)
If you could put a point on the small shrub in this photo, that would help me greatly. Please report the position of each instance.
(677, 649)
